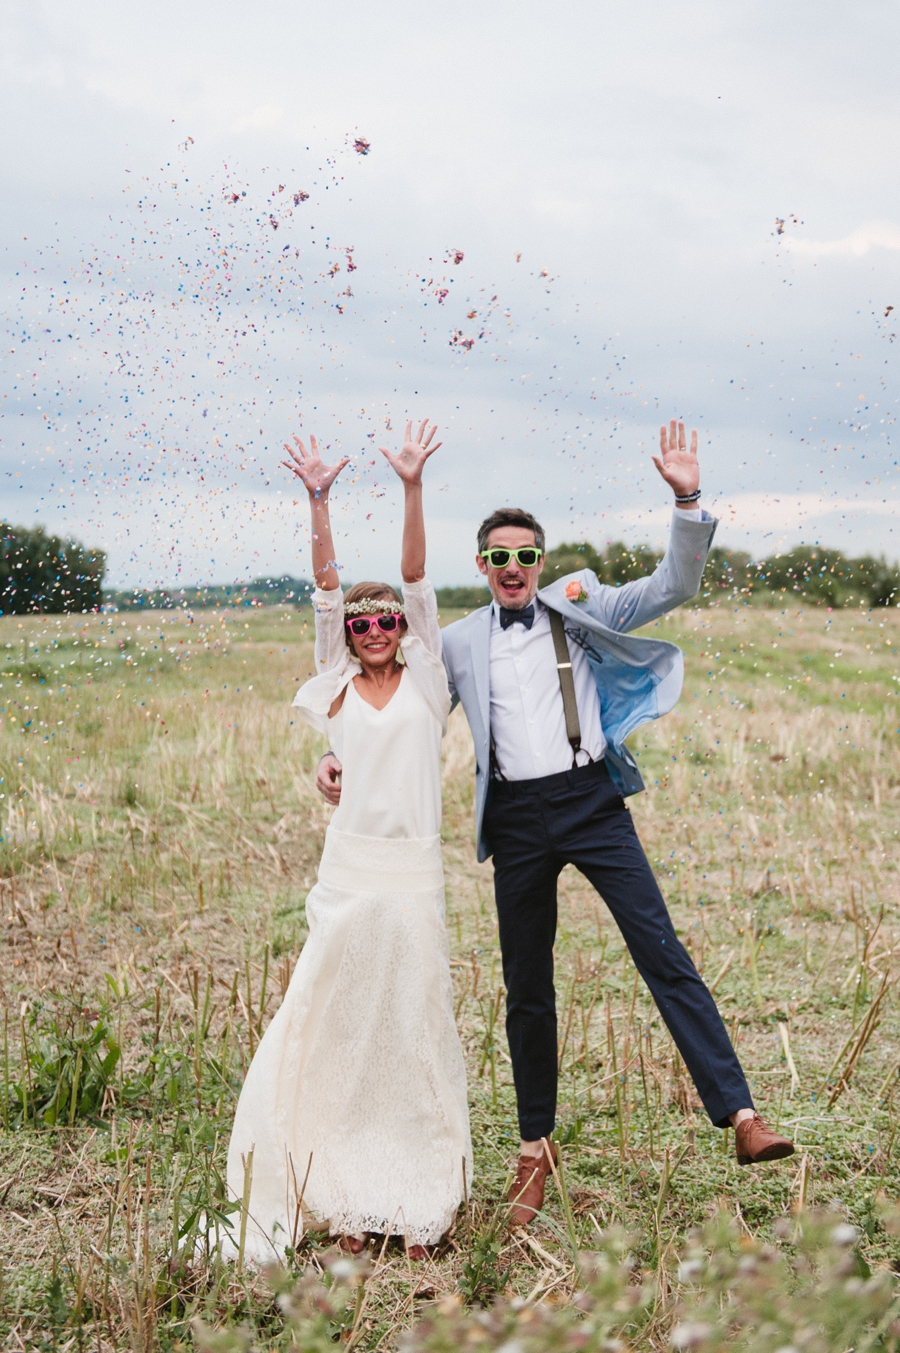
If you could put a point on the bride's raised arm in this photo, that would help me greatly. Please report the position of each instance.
(408, 464)
(418, 594)
(317, 479)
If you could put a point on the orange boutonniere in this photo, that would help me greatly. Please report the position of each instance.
(575, 591)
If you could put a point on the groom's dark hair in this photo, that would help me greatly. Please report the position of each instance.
(511, 516)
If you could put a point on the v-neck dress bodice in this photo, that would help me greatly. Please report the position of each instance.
(391, 758)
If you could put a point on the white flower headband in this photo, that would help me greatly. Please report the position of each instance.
(374, 606)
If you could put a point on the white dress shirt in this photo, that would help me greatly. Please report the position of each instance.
(528, 721)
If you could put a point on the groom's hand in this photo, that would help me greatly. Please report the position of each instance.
(677, 464)
(328, 779)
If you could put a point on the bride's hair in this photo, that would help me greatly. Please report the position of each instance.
(372, 592)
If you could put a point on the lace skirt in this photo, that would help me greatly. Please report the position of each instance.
(358, 1084)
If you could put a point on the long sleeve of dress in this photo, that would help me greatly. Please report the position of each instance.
(335, 665)
(422, 614)
(331, 647)
(421, 647)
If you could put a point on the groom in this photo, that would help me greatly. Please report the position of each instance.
(551, 687)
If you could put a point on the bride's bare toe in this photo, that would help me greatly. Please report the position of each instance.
(352, 1244)
(417, 1253)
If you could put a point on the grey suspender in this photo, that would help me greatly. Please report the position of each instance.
(566, 683)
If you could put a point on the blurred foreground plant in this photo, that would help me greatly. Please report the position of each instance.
(814, 1294)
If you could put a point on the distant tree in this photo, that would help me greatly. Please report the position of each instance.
(462, 598)
(571, 558)
(39, 572)
(810, 573)
(618, 564)
(830, 578)
(623, 563)
(728, 570)
(260, 592)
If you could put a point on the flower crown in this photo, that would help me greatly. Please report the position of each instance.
(374, 606)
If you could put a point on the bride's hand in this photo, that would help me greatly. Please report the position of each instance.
(411, 460)
(309, 466)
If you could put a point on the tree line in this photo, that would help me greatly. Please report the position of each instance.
(42, 572)
(808, 574)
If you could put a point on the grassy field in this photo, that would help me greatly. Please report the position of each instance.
(160, 833)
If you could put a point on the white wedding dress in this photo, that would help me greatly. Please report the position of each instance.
(358, 1084)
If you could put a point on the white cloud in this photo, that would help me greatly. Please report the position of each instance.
(873, 235)
(796, 511)
(267, 115)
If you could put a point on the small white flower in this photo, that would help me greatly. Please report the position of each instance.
(689, 1334)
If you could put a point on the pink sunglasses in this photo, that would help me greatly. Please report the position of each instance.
(360, 625)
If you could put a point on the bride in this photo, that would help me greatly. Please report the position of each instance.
(355, 1103)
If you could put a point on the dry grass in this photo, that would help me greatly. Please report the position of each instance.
(160, 834)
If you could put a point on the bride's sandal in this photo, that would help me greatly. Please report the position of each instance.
(352, 1244)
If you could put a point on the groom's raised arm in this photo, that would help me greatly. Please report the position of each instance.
(680, 571)
(676, 579)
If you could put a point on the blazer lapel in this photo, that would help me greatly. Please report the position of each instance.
(481, 665)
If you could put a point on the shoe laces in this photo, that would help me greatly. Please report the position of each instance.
(528, 1166)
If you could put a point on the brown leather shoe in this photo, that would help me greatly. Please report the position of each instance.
(527, 1192)
(755, 1141)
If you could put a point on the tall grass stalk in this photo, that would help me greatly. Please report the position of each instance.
(247, 1163)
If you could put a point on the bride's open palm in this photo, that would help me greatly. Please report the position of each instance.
(310, 467)
(409, 462)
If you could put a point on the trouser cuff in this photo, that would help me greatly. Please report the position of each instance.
(533, 1132)
(724, 1122)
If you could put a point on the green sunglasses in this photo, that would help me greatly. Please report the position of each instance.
(526, 557)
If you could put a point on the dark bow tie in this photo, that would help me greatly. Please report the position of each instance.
(524, 617)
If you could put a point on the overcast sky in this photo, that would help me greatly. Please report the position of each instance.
(662, 208)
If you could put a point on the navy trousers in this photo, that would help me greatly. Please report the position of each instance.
(535, 827)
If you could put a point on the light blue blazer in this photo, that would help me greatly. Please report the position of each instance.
(637, 679)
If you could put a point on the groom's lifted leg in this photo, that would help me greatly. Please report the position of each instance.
(536, 827)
